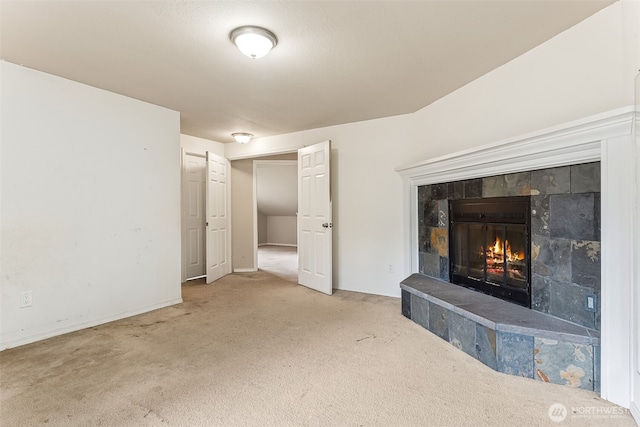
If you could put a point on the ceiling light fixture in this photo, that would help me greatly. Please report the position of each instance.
(242, 137)
(255, 42)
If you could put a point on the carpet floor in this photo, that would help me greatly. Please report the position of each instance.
(254, 349)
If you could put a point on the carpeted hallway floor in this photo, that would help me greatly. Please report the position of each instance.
(254, 349)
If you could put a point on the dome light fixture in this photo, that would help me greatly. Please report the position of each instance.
(242, 137)
(255, 42)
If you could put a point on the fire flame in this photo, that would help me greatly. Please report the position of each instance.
(496, 251)
(495, 260)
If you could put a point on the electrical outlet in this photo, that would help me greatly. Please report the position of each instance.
(590, 303)
(26, 299)
(390, 268)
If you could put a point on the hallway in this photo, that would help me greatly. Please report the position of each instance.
(281, 261)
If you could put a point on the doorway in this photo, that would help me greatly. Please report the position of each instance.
(281, 261)
(276, 222)
(206, 238)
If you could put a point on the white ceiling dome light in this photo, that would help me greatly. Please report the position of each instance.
(255, 42)
(242, 137)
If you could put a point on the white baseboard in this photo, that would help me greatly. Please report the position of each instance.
(397, 294)
(245, 270)
(279, 244)
(17, 339)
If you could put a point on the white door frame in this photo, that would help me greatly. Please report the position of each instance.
(256, 165)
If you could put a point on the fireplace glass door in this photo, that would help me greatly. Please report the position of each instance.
(489, 247)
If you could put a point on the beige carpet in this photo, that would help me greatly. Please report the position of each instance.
(256, 350)
(281, 261)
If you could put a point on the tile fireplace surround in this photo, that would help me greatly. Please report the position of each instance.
(557, 340)
(565, 257)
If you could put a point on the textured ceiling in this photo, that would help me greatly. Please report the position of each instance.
(336, 61)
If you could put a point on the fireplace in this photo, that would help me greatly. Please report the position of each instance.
(489, 246)
(559, 211)
(573, 259)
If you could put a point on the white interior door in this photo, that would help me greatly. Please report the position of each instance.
(195, 167)
(314, 217)
(218, 230)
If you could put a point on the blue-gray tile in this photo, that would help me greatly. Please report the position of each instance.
(420, 311)
(551, 257)
(424, 194)
(456, 190)
(540, 293)
(596, 368)
(439, 191)
(430, 213)
(430, 264)
(439, 321)
(597, 216)
(462, 333)
(540, 215)
(494, 186)
(473, 188)
(515, 184)
(564, 363)
(486, 346)
(443, 213)
(585, 263)
(515, 354)
(567, 301)
(495, 313)
(424, 234)
(585, 178)
(573, 216)
(406, 304)
(551, 181)
(444, 268)
(518, 184)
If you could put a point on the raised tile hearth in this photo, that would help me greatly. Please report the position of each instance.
(504, 336)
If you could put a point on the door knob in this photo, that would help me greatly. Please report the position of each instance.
(327, 225)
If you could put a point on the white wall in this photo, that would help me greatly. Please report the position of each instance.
(242, 212)
(90, 215)
(195, 145)
(282, 230)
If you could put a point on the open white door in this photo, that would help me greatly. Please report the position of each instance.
(218, 222)
(314, 217)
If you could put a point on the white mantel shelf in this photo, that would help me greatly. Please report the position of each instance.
(606, 137)
(570, 143)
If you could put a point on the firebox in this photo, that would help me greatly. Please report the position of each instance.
(489, 246)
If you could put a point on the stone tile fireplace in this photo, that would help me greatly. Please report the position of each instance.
(564, 247)
(528, 238)
(575, 177)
